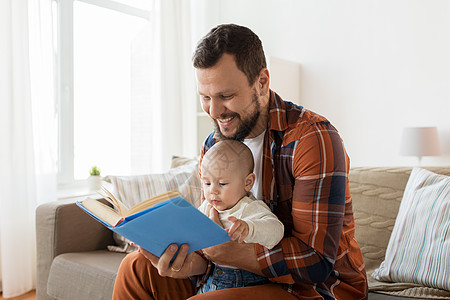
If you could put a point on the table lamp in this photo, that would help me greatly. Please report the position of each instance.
(420, 141)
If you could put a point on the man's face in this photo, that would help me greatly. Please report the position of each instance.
(229, 100)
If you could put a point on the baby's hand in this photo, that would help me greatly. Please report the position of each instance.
(239, 229)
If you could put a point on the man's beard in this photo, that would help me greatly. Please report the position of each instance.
(245, 126)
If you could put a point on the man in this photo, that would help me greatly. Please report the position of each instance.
(302, 177)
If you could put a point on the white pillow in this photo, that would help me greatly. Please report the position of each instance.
(184, 178)
(419, 246)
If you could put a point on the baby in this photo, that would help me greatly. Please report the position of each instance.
(227, 178)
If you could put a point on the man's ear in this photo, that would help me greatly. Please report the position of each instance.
(263, 81)
(249, 181)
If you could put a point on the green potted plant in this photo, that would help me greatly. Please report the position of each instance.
(94, 179)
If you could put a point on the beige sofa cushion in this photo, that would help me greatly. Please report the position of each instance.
(419, 246)
(84, 275)
(376, 195)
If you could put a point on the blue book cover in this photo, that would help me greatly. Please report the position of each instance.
(171, 221)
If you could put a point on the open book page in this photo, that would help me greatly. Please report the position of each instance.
(123, 209)
(113, 216)
(102, 211)
(152, 201)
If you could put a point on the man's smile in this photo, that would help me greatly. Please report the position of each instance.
(225, 121)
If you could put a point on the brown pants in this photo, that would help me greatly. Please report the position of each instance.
(138, 279)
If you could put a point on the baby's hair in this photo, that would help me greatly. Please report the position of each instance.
(231, 151)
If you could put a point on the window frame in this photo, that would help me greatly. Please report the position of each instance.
(64, 85)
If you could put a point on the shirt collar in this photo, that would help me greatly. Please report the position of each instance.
(277, 113)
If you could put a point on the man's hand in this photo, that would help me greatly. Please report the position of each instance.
(241, 256)
(183, 266)
(239, 229)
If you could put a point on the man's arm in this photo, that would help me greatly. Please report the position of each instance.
(319, 168)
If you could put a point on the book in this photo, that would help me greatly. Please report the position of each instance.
(157, 222)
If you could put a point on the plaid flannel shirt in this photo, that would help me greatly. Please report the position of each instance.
(305, 183)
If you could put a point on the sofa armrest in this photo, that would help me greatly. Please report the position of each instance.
(62, 227)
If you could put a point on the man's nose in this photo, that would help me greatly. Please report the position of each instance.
(216, 108)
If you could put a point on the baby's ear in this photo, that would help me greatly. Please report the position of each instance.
(249, 181)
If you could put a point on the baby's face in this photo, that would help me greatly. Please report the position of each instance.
(223, 184)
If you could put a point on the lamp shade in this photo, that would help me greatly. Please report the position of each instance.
(420, 141)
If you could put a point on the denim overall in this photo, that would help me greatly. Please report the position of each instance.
(223, 278)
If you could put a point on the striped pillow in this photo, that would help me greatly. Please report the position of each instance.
(184, 178)
(419, 246)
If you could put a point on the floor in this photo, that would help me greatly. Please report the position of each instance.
(29, 296)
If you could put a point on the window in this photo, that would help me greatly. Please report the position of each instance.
(102, 51)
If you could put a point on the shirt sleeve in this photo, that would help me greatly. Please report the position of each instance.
(319, 167)
(264, 227)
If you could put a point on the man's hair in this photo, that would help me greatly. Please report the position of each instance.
(233, 39)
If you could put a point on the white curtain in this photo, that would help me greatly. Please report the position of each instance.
(27, 136)
(173, 86)
(28, 122)
(177, 25)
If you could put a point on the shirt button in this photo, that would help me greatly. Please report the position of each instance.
(219, 272)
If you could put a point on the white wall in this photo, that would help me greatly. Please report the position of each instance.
(371, 67)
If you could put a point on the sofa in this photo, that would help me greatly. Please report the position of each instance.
(73, 261)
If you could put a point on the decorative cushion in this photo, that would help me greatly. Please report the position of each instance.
(419, 247)
(184, 178)
(181, 161)
(134, 189)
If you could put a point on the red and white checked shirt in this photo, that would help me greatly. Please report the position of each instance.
(305, 183)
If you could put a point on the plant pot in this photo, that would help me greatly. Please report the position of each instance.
(94, 183)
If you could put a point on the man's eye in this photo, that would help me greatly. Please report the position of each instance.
(223, 183)
(206, 98)
(227, 97)
(207, 183)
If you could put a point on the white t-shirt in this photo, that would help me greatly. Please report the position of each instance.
(256, 146)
